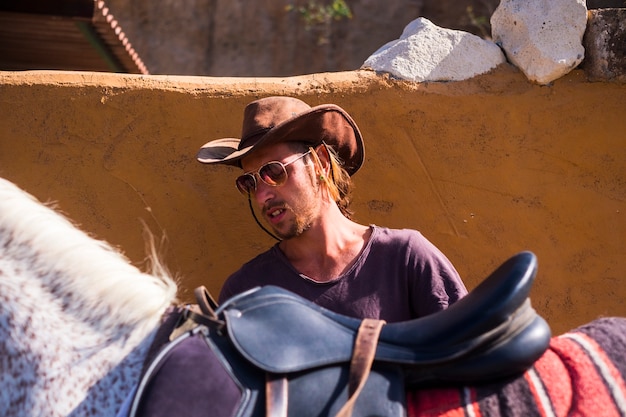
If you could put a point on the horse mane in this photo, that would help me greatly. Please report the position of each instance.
(89, 275)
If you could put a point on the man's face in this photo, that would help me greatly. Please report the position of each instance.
(291, 208)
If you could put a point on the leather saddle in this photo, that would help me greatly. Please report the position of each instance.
(491, 333)
(301, 348)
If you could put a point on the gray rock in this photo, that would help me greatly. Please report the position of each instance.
(543, 38)
(605, 45)
(426, 52)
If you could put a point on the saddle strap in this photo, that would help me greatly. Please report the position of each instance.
(361, 362)
(276, 393)
(276, 387)
(206, 303)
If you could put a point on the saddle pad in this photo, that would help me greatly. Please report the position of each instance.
(583, 373)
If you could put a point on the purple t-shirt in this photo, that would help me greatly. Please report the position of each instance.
(399, 275)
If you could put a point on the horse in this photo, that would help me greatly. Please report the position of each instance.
(85, 333)
(76, 318)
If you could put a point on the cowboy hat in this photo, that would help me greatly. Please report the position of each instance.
(283, 119)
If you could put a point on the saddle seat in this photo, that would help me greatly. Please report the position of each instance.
(491, 333)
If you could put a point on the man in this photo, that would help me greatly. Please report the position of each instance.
(297, 163)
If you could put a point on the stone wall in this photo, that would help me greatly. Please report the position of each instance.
(484, 168)
(234, 38)
(242, 38)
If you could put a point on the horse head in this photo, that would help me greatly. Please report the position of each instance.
(76, 318)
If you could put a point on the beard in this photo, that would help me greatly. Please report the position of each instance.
(304, 210)
(294, 227)
(304, 206)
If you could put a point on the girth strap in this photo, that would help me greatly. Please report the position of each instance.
(361, 362)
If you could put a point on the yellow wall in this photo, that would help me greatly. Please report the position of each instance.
(484, 168)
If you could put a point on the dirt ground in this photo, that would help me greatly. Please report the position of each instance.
(485, 168)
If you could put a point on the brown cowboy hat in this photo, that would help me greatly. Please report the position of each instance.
(282, 119)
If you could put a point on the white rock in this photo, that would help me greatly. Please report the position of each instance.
(543, 38)
(426, 52)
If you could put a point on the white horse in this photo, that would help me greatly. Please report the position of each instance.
(76, 318)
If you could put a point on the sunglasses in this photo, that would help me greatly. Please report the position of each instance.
(273, 173)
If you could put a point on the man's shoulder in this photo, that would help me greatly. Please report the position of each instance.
(253, 273)
(262, 260)
(389, 235)
(409, 241)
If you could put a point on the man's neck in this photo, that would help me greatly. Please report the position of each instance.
(328, 248)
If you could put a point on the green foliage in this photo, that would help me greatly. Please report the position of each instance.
(316, 13)
(479, 22)
(319, 15)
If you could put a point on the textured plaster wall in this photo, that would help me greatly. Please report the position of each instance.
(484, 168)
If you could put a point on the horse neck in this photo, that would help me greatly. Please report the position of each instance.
(76, 318)
(90, 277)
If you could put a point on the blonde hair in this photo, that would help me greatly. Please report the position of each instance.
(339, 183)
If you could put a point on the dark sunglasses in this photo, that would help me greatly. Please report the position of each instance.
(273, 173)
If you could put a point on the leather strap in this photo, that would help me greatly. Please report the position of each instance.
(206, 303)
(204, 312)
(276, 390)
(276, 396)
(361, 362)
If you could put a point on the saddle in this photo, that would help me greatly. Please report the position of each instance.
(301, 359)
